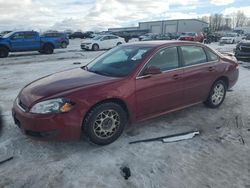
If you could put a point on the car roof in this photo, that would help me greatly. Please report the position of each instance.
(159, 43)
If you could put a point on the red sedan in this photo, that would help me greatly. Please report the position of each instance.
(130, 83)
(192, 36)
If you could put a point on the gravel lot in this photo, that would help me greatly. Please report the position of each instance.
(219, 157)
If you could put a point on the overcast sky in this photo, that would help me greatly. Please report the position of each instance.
(102, 14)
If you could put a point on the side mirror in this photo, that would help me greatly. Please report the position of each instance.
(152, 70)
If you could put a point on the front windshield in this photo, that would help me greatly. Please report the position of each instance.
(188, 34)
(119, 62)
(8, 35)
(97, 37)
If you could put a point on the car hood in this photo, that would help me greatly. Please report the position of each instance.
(60, 82)
(87, 41)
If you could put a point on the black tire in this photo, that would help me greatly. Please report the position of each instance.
(48, 49)
(63, 45)
(4, 52)
(119, 43)
(95, 47)
(214, 99)
(95, 132)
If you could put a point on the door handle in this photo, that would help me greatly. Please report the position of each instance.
(211, 69)
(176, 77)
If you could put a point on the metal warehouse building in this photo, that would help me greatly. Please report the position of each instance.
(167, 26)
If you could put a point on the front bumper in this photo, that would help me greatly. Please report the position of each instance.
(86, 46)
(65, 126)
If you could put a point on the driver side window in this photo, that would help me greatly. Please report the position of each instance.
(18, 36)
(165, 59)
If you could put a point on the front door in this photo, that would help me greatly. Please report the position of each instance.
(17, 41)
(162, 92)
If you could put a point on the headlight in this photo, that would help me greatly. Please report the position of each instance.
(59, 105)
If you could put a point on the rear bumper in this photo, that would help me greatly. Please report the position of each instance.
(233, 78)
(65, 126)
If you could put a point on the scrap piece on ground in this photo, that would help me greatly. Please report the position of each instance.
(125, 171)
(180, 137)
(5, 159)
(174, 137)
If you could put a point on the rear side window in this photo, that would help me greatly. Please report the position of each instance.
(193, 55)
(113, 37)
(211, 56)
(165, 59)
(29, 35)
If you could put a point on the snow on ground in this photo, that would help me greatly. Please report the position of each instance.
(219, 157)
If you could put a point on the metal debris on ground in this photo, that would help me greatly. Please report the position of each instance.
(170, 138)
(76, 63)
(125, 172)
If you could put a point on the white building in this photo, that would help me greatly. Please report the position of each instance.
(167, 26)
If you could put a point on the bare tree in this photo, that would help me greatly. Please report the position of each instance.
(240, 19)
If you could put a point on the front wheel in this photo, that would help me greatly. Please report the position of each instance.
(105, 123)
(217, 94)
(119, 43)
(4, 52)
(95, 47)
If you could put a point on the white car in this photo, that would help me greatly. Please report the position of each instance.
(102, 42)
(231, 38)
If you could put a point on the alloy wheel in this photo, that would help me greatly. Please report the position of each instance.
(106, 124)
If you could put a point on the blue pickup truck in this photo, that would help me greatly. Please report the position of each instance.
(21, 41)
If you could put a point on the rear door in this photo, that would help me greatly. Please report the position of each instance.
(31, 41)
(104, 42)
(199, 72)
(160, 92)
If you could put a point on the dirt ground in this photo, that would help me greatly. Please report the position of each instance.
(219, 157)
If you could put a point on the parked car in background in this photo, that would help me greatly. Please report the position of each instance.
(192, 36)
(130, 83)
(148, 37)
(22, 41)
(81, 35)
(76, 35)
(62, 37)
(162, 37)
(230, 38)
(102, 42)
(242, 50)
(4, 33)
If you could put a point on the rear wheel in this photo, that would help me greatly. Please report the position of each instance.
(48, 49)
(64, 45)
(4, 52)
(217, 94)
(119, 43)
(105, 123)
(95, 47)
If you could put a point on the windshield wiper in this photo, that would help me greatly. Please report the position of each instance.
(84, 67)
(100, 72)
